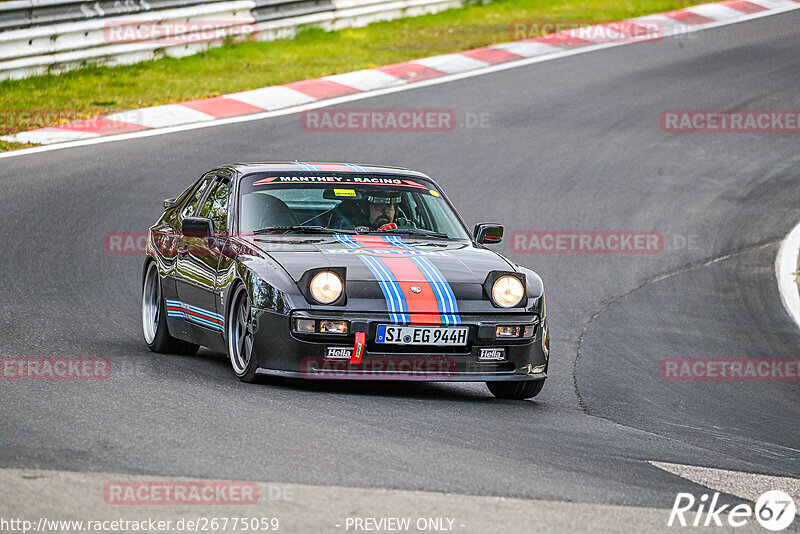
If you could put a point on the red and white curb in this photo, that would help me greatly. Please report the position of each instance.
(647, 28)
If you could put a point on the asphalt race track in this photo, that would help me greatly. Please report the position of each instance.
(572, 144)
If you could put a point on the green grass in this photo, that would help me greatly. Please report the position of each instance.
(5, 145)
(55, 99)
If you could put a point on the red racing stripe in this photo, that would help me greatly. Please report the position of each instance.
(190, 312)
(332, 167)
(423, 307)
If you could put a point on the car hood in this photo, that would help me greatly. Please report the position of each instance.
(458, 261)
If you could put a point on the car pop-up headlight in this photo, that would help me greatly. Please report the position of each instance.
(326, 287)
(508, 291)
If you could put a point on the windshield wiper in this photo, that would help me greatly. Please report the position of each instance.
(414, 231)
(299, 228)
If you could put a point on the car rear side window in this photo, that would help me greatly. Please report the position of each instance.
(191, 205)
(216, 206)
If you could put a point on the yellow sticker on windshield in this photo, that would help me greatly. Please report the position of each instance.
(344, 192)
(435, 193)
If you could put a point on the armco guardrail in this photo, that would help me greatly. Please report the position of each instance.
(59, 35)
(18, 14)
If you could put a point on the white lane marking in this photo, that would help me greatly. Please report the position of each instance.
(361, 96)
(786, 273)
(748, 486)
(51, 135)
(161, 116)
(273, 97)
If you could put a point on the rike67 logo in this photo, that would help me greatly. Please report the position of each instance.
(774, 510)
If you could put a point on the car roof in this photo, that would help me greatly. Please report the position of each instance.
(317, 167)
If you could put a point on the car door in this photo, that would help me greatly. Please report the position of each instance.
(197, 265)
(189, 206)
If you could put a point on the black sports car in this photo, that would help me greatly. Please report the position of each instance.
(340, 271)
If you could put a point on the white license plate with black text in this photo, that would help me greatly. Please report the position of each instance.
(422, 335)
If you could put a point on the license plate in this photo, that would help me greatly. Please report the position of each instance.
(422, 335)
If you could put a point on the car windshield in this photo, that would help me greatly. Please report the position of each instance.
(303, 203)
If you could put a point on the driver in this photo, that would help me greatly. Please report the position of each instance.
(381, 210)
(373, 211)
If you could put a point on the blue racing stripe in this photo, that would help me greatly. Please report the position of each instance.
(203, 321)
(353, 166)
(392, 292)
(308, 166)
(388, 294)
(398, 242)
(445, 298)
(391, 288)
(205, 312)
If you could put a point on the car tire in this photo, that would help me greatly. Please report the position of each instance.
(154, 318)
(518, 390)
(239, 338)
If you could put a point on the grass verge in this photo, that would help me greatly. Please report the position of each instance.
(50, 100)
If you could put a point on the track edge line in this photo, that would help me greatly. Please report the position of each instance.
(786, 268)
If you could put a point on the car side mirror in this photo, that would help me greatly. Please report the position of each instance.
(170, 203)
(490, 233)
(198, 227)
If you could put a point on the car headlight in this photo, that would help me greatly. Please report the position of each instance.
(326, 287)
(507, 291)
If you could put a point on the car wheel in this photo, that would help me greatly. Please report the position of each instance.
(516, 390)
(154, 318)
(240, 337)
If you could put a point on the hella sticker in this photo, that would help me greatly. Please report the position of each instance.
(491, 355)
(338, 353)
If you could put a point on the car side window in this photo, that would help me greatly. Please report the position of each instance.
(191, 205)
(216, 206)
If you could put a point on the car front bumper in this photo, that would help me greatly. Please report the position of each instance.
(280, 352)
